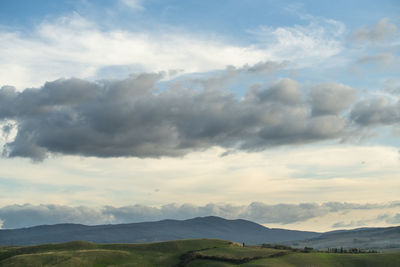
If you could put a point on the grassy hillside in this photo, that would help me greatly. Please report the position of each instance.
(89, 254)
(327, 260)
(191, 253)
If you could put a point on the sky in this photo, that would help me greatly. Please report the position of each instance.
(285, 113)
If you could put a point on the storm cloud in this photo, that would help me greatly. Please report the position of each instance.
(135, 118)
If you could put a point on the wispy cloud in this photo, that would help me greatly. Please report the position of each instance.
(134, 4)
(73, 46)
(305, 45)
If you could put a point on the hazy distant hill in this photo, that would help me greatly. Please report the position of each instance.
(203, 227)
(366, 238)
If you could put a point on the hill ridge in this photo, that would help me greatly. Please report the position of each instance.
(237, 230)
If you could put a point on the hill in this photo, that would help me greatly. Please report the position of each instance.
(202, 227)
(364, 238)
(190, 253)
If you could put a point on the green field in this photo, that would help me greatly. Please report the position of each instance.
(191, 253)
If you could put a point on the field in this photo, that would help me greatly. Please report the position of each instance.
(191, 253)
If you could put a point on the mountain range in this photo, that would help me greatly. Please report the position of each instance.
(165, 230)
(241, 231)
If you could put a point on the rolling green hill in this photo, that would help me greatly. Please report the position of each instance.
(191, 253)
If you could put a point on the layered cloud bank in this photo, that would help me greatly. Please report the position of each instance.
(135, 118)
(17, 216)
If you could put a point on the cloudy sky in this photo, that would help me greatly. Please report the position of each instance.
(285, 113)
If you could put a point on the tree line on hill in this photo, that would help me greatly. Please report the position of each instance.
(329, 250)
(351, 250)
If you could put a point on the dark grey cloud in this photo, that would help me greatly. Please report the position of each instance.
(331, 98)
(221, 79)
(376, 111)
(16, 216)
(381, 31)
(134, 118)
(265, 67)
(8, 94)
(285, 91)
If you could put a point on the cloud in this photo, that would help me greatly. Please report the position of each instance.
(395, 219)
(220, 79)
(382, 59)
(392, 86)
(318, 40)
(131, 118)
(381, 31)
(134, 4)
(266, 67)
(351, 224)
(259, 212)
(331, 98)
(83, 49)
(284, 213)
(376, 111)
(17, 216)
(343, 206)
(390, 219)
